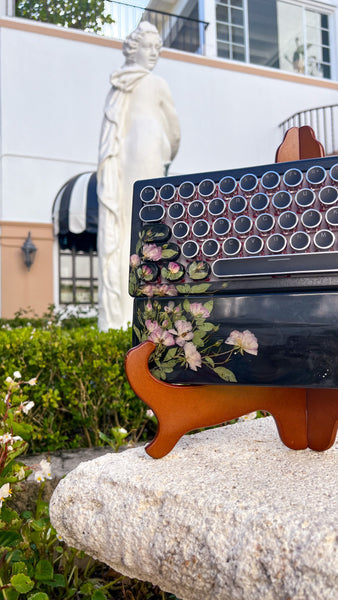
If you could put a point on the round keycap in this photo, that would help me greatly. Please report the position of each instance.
(300, 241)
(196, 208)
(328, 195)
(180, 230)
(231, 246)
(276, 242)
(176, 210)
(237, 204)
(221, 226)
(270, 180)
(305, 198)
(243, 225)
(253, 244)
(148, 271)
(334, 173)
(186, 190)
(172, 271)
(151, 213)
(311, 218)
(265, 222)
(287, 220)
(206, 188)
(200, 228)
(316, 175)
(331, 216)
(248, 182)
(210, 248)
(156, 232)
(292, 177)
(259, 202)
(148, 194)
(198, 270)
(170, 251)
(324, 239)
(167, 192)
(227, 185)
(190, 249)
(282, 200)
(216, 207)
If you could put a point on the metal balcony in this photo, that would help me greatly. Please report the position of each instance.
(324, 122)
(177, 31)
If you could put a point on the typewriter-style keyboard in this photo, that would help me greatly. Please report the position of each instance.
(272, 220)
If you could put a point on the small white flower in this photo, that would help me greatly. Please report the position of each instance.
(149, 413)
(5, 491)
(17, 375)
(44, 472)
(25, 407)
(9, 380)
(59, 537)
(122, 430)
(21, 473)
(7, 438)
(249, 417)
(32, 381)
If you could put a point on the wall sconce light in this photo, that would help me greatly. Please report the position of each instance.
(29, 251)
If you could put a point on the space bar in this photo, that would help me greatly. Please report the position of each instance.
(285, 264)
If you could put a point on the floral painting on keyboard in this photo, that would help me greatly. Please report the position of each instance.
(185, 338)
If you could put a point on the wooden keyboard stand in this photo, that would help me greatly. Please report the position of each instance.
(305, 418)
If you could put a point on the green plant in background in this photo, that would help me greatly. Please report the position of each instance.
(87, 15)
(83, 389)
(35, 564)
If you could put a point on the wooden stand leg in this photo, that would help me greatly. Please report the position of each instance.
(183, 408)
(322, 418)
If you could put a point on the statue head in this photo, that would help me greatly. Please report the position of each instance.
(142, 46)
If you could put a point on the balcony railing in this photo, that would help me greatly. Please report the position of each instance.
(177, 31)
(324, 122)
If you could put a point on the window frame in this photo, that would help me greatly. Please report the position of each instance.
(306, 5)
(93, 281)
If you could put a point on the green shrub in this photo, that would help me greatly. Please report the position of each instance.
(35, 563)
(83, 393)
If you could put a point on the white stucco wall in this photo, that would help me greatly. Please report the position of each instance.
(52, 95)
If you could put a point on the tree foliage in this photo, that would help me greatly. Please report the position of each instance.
(87, 15)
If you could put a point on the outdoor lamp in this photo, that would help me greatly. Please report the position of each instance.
(29, 251)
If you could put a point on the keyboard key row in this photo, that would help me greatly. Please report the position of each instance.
(282, 200)
(248, 183)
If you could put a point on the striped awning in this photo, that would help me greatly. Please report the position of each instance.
(75, 213)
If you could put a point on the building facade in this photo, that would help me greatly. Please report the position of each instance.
(249, 66)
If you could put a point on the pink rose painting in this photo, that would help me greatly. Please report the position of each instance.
(184, 338)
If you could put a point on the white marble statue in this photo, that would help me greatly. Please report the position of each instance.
(139, 138)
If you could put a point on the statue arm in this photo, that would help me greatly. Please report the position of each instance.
(170, 114)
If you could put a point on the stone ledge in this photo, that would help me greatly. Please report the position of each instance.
(229, 514)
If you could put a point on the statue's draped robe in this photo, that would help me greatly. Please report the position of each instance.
(139, 138)
(113, 218)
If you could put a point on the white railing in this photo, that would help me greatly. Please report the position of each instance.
(324, 122)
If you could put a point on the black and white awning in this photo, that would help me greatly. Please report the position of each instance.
(75, 213)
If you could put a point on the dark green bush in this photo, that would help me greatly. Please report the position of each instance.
(82, 388)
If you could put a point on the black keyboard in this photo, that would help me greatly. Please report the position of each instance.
(254, 228)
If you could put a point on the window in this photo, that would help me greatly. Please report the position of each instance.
(78, 277)
(283, 34)
(230, 29)
(304, 40)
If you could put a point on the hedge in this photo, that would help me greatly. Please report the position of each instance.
(82, 388)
